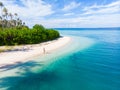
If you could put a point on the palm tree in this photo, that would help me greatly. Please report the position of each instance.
(16, 15)
(23, 23)
(1, 5)
(16, 19)
(11, 19)
(5, 11)
(19, 22)
(0, 21)
(0, 18)
(7, 20)
(11, 16)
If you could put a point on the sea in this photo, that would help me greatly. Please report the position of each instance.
(91, 61)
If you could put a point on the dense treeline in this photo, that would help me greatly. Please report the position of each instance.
(24, 35)
(13, 30)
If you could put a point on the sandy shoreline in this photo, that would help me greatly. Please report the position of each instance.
(23, 53)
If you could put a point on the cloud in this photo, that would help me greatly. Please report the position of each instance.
(113, 7)
(38, 11)
(29, 8)
(68, 14)
(71, 6)
(94, 16)
(89, 21)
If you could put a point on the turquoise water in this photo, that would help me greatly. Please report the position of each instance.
(96, 67)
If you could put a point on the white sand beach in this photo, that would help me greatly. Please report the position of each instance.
(24, 52)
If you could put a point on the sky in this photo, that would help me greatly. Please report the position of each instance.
(67, 13)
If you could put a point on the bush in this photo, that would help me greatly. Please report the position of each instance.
(24, 35)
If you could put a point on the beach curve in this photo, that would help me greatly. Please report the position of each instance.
(29, 51)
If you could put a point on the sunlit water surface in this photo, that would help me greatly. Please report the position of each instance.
(90, 62)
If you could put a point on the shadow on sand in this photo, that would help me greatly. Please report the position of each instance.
(20, 65)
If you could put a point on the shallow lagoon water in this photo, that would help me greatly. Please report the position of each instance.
(90, 62)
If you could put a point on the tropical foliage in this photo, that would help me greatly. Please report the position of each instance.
(24, 35)
(8, 19)
(14, 32)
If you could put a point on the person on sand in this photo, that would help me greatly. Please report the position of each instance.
(44, 50)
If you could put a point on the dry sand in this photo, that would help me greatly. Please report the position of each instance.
(24, 52)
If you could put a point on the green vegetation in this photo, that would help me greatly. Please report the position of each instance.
(14, 32)
(24, 35)
(8, 20)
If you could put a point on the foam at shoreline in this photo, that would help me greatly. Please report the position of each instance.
(40, 62)
(12, 57)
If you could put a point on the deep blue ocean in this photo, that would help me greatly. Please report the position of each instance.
(94, 68)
